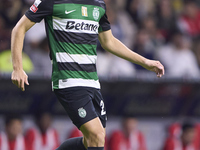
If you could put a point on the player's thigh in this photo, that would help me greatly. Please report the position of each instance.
(97, 125)
(92, 127)
(93, 133)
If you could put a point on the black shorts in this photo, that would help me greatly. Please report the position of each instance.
(82, 104)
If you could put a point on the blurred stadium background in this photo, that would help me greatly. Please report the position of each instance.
(167, 30)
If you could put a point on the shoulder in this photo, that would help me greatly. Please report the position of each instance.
(2, 134)
(37, 3)
(44, 3)
(101, 3)
(169, 144)
(169, 141)
(54, 130)
(49, 1)
(31, 132)
(140, 134)
(55, 133)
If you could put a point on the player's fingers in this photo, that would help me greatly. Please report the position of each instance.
(26, 80)
(159, 75)
(162, 70)
(14, 81)
(17, 83)
(22, 84)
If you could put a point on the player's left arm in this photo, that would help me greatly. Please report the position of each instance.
(114, 46)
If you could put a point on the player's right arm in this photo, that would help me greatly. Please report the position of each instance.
(114, 46)
(19, 77)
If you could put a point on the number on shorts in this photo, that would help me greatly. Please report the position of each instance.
(103, 112)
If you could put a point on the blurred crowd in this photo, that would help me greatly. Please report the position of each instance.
(167, 30)
(42, 136)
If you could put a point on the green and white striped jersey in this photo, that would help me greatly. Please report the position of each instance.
(72, 28)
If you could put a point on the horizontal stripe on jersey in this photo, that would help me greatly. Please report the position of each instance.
(76, 38)
(71, 48)
(79, 58)
(78, 82)
(77, 67)
(75, 25)
(64, 74)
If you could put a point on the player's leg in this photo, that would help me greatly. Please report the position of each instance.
(79, 106)
(94, 130)
(94, 134)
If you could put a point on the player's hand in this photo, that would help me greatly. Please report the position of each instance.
(155, 66)
(19, 77)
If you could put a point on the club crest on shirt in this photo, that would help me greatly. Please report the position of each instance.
(82, 112)
(96, 13)
(34, 7)
(84, 11)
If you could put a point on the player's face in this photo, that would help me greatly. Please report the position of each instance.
(45, 121)
(188, 136)
(130, 125)
(165, 8)
(178, 40)
(14, 128)
(134, 5)
(191, 10)
(142, 37)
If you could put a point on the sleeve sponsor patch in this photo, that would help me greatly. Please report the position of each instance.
(34, 7)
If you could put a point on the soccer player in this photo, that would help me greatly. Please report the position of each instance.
(73, 28)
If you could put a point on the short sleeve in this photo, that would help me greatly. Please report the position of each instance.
(39, 10)
(104, 23)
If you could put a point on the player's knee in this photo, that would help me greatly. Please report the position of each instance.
(96, 139)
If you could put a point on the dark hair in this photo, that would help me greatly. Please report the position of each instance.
(11, 117)
(38, 115)
(128, 116)
(174, 33)
(187, 125)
